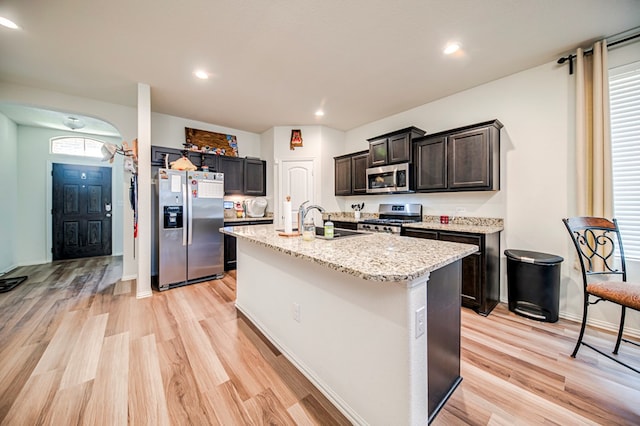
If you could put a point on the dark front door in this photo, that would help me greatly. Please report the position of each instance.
(82, 211)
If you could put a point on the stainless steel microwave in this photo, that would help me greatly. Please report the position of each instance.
(393, 178)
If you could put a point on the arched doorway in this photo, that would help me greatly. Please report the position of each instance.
(32, 241)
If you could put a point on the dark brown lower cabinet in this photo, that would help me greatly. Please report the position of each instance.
(480, 270)
(230, 258)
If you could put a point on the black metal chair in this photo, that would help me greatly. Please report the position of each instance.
(599, 246)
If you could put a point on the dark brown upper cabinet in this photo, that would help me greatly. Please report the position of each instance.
(246, 176)
(255, 176)
(233, 169)
(343, 175)
(392, 148)
(359, 164)
(430, 160)
(158, 154)
(350, 173)
(462, 159)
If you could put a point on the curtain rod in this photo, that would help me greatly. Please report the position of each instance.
(590, 51)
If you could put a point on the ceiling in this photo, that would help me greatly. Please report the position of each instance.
(275, 62)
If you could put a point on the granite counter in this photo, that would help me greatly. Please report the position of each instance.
(374, 257)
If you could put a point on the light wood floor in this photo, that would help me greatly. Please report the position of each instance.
(77, 347)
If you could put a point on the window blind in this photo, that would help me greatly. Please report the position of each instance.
(624, 95)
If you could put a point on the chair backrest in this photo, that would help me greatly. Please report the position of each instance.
(599, 245)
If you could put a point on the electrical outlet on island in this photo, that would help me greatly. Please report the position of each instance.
(295, 310)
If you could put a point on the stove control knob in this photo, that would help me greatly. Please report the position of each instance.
(375, 227)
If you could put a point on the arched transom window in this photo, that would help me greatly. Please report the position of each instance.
(82, 147)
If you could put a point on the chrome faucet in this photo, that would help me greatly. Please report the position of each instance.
(302, 212)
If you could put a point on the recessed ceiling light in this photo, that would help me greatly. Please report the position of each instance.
(451, 48)
(203, 75)
(319, 113)
(8, 23)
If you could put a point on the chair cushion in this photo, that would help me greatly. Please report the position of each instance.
(627, 294)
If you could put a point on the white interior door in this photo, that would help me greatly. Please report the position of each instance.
(297, 181)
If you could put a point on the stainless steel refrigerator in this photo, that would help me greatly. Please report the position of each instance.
(189, 245)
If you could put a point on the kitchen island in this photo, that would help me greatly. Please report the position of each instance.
(372, 320)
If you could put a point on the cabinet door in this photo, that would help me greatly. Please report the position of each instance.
(343, 175)
(255, 174)
(158, 154)
(229, 252)
(471, 268)
(195, 158)
(399, 149)
(378, 153)
(233, 169)
(431, 164)
(469, 159)
(211, 161)
(359, 173)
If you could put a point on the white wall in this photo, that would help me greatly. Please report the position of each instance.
(267, 153)
(537, 157)
(165, 131)
(33, 219)
(9, 192)
(320, 144)
(123, 118)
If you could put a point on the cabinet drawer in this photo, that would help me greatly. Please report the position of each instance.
(459, 238)
(420, 233)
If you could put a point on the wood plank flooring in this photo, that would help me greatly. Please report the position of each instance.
(77, 347)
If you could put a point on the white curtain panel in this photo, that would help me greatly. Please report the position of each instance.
(593, 134)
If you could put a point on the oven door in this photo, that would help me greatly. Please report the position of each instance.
(394, 178)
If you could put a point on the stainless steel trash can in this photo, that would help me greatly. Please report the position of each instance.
(533, 281)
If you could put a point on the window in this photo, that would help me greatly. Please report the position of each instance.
(624, 95)
(83, 147)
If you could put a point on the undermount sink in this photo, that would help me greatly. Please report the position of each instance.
(337, 232)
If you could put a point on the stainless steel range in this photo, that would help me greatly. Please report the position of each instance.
(391, 218)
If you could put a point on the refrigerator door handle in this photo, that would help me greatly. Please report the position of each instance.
(185, 211)
(190, 216)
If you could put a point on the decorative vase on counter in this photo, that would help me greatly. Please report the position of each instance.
(356, 214)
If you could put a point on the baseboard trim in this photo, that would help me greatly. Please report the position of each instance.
(633, 332)
(144, 294)
(605, 325)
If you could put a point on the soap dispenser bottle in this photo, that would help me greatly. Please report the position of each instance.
(328, 228)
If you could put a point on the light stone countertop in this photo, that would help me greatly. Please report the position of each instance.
(374, 257)
(456, 227)
(474, 225)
